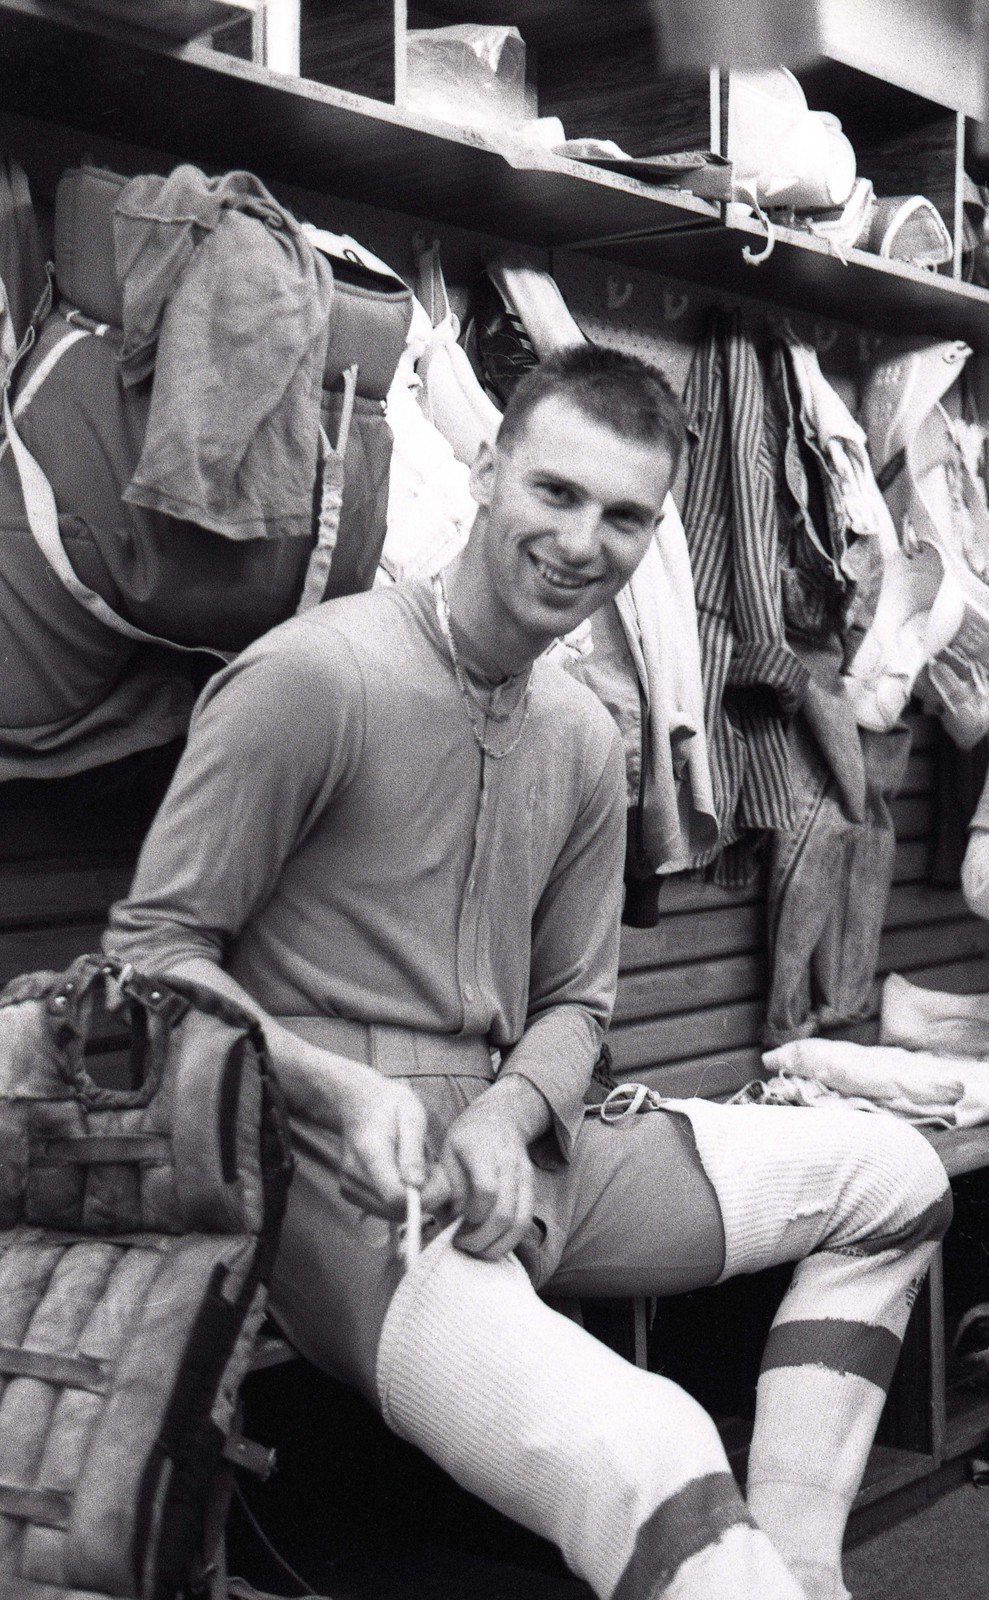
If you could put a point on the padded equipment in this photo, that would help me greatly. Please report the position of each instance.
(139, 1210)
(371, 309)
(156, 577)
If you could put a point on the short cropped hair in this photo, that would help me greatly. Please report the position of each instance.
(625, 393)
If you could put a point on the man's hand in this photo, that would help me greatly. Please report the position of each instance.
(383, 1134)
(484, 1174)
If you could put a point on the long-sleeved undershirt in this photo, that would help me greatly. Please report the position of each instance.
(335, 839)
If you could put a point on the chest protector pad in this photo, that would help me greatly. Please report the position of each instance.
(143, 1173)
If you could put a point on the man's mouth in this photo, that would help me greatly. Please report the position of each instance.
(560, 578)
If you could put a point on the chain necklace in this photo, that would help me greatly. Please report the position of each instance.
(467, 694)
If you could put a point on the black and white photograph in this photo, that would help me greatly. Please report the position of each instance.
(494, 799)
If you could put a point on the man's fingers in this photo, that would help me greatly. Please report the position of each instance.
(372, 1164)
(490, 1181)
(497, 1221)
(458, 1180)
(387, 1154)
(494, 1238)
(410, 1142)
(487, 1198)
(436, 1192)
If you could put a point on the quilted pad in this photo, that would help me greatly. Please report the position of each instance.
(138, 1220)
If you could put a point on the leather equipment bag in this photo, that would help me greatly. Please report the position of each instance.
(143, 1173)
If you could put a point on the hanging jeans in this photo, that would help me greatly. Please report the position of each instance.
(829, 884)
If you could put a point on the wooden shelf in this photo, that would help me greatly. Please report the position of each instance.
(550, 23)
(177, 19)
(916, 46)
(930, 50)
(198, 104)
(803, 273)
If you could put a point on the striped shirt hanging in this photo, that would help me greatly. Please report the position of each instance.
(752, 680)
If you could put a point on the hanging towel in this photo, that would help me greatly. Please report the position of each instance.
(228, 304)
(659, 615)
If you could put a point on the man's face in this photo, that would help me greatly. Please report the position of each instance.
(570, 508)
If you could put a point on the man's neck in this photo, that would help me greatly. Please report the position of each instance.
(488, 643)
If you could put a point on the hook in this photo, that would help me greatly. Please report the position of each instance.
(618, 293)
(824, 337)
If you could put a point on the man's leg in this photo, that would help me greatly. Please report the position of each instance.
(620, 1468)
(863, 1200)
(859, 1202)
(520, 1405)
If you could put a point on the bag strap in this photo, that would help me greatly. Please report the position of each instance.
(40, 373)
(8, 341)
(331, 500)
(42, 518)
(153, 1009)
(430, 289)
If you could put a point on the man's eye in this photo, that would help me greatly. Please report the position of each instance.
(628, 522)
(557, 493)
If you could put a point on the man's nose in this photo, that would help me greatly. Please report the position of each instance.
(578, 534)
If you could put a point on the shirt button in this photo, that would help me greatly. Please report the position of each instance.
(468, 992)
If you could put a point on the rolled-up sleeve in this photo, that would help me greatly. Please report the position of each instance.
(770, 664)
(575, 942)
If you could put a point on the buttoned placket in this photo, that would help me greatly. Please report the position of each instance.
(469, 985)
(468, 921)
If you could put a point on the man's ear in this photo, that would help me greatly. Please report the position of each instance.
(482, 474)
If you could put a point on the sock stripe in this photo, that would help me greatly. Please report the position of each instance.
(682, 1526)
(858, 1348)
(931, 1223)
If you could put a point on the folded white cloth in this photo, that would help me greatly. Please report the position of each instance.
(936, 1091)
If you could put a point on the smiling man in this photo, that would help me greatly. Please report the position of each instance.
(397, 835)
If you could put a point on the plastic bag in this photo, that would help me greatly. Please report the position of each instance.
(468, 73)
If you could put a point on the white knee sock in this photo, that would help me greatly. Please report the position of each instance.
(863, 1200)
(619, 1467)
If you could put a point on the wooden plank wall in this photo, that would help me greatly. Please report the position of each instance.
(692, 993)
(67, 851)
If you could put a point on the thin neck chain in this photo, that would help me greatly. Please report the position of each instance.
(475, 715)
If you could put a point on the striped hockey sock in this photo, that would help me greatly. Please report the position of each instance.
(620, 1468)
(821, 1391)
(860, 1202)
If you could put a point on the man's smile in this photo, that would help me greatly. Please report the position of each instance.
(561, 577)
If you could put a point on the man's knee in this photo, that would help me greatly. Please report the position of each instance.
(874, 1182)
(905, 1198)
